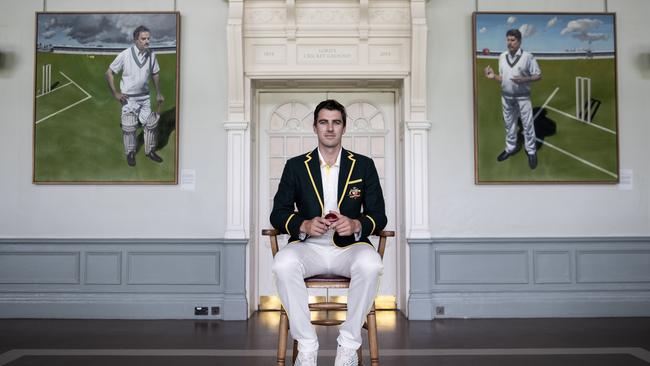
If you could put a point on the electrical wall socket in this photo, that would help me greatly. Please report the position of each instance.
(201, 310)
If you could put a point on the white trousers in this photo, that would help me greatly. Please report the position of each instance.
(300, 260)
(513, 108)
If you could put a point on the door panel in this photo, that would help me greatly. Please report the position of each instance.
(285, 130)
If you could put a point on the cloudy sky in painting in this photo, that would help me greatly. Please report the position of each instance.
(547, 32)
(107, 30)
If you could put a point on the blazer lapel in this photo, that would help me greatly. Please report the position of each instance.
(345, 172)
(312, 164)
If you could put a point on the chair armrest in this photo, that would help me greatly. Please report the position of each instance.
(270, 232)
(387, 234)
(273, 235)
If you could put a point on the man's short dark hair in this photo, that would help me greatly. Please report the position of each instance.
(331, 105)
(514, 33)
(138, 30)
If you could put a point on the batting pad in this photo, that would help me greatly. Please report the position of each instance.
(129, 122)
(152, 121)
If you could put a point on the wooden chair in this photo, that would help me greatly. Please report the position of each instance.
(327, 282)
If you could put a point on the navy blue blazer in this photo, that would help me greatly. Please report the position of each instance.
(360, 196)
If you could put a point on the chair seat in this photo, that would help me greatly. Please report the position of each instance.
(327, 278)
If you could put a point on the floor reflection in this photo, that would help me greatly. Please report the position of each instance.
(386, 319)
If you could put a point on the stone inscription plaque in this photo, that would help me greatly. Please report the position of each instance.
(327, 55)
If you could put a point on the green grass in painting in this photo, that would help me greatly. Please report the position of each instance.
(587, 153)
(83, 143)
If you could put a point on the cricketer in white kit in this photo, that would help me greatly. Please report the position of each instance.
(517, 69)
(137, 63)
(328, 180)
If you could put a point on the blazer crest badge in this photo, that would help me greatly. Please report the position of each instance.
(354, 193)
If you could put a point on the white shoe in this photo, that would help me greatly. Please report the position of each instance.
(346, 357)
(306, 358)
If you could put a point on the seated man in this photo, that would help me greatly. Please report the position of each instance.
(339, 204)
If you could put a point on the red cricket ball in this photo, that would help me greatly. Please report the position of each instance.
(331, 217)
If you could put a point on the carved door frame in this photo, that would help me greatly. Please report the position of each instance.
(284, 50)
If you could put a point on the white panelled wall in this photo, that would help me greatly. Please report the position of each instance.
(489, 251)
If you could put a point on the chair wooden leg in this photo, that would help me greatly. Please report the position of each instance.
(282, 341)
(295, 352)
(372, 338)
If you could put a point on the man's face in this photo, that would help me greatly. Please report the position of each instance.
(142, 42)
(329, 128)
(513, 44)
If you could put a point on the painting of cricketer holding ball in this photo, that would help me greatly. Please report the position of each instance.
(545, 102)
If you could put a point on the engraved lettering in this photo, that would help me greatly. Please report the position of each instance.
(325, 54)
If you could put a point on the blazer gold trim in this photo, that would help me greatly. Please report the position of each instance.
(347, 181)
(286, 225)
(374, 225)
(313, 184)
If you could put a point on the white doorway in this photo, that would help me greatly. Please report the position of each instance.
(284, 130)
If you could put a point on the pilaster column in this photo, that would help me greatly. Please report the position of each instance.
(416, 146)
(416, 134)
(235, 305)
(418, 105)
(238, 179)
(238, 131)
(421, 275)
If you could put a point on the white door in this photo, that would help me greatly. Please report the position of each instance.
(285, 130)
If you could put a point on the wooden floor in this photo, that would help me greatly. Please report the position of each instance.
(452, 342)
